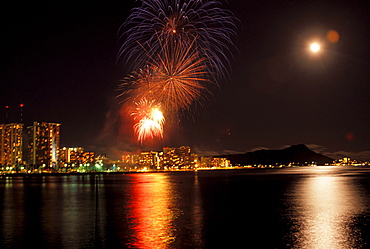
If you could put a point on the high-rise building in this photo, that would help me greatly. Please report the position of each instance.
(75, 156)
(183, 151)
(11, 141)
(71, 155)
(44, 143)
(88, 157)
(178, 157)
(149, 159)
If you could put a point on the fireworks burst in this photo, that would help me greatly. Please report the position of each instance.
(179, 21)
(176, 78)
(150, 119)
(176, 48)
(147, 128)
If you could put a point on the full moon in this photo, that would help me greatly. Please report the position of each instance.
(315, 47)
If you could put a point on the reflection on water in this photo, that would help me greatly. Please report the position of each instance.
(153, 209)
(326, 206)
(13, 215)
(197, 214)
(311, 207)
(55, 211)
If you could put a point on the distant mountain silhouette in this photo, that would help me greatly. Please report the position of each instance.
(298, 154)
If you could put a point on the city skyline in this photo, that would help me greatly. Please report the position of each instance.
(60, 62)
(45, 155)
(44, 151)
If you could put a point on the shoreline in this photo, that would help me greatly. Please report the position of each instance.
(153, 171)
(109, 173)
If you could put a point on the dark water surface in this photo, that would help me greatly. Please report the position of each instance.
(310, 207)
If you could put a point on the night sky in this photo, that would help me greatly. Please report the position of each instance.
(60, 60)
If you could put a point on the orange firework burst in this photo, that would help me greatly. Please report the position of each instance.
(176, 78)
(179, 77)
(150, 119)
(148, 128)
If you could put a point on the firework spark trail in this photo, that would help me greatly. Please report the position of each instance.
(180, 21)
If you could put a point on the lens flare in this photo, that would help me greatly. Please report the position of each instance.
(332, 36)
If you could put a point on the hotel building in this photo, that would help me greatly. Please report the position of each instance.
(44, 143)
(75, 156)
(11, 144)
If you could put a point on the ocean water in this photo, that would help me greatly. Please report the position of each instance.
(307, 207)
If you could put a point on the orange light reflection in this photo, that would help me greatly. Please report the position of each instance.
(152, 211)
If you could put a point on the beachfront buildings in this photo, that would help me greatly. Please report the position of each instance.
(11, 141)
(43, 145)
(71, 156)
(44, 154)
(175, 158)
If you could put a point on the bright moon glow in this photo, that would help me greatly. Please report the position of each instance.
(315, 47)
